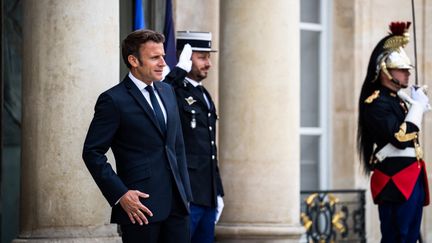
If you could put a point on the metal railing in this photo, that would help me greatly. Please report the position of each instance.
(333, 216)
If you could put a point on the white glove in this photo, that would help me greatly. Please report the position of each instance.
(219, 208)
(185, 61)
(418, 95)
(404, 96)
(419, 105)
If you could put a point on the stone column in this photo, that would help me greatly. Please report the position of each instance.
(259, 121)
(71, 54)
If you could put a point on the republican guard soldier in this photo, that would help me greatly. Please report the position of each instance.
(389, 125)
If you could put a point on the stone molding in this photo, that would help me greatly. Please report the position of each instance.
(101, 233)
(258, 231)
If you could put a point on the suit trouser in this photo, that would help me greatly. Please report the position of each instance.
(174, 229)
(202, 221)
(400, 223)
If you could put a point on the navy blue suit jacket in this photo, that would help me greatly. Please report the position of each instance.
(146, 159)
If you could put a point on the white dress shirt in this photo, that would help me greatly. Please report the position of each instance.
(141, 86)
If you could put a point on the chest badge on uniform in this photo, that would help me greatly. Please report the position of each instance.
(190, 100)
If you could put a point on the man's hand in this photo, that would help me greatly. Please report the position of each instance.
(185, 61)
(134, 208)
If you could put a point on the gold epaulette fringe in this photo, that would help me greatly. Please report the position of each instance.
(372, 97)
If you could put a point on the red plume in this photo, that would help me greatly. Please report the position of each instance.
(399, 28)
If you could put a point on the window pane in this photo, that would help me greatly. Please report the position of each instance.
(309, 159)
(310, 11)
(309, 79)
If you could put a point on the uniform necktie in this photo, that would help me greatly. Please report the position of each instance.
(156, 108)
(201, 89)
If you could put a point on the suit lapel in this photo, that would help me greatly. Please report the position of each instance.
(139, 97)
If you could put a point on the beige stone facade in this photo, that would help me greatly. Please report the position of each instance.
(255, 80)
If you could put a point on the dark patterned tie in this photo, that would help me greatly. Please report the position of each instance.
(201, 89)
(156, 108)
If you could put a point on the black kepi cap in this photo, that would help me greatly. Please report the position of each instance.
(199, 41)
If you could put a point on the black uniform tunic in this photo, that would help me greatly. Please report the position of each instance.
(385, 115)
(199, 132)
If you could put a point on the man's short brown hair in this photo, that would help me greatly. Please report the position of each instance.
(132, 43)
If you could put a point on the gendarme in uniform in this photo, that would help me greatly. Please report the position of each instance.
(198, 117)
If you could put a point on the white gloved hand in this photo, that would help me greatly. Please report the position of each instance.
(219, 208)
(404, 96)
(418, 95)
(185, 61)
(419, 105)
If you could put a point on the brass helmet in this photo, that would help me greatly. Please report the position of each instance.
(393, 55)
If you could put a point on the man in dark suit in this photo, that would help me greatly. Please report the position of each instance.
(138, 119)
(198, 116)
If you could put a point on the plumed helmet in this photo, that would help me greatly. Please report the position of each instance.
(392, 54)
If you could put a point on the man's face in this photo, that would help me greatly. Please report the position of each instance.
(402, 75)
(149, 66)
(200, 65)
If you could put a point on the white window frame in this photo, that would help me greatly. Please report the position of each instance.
(324, 129)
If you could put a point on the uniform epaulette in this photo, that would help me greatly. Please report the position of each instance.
(372, 97)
